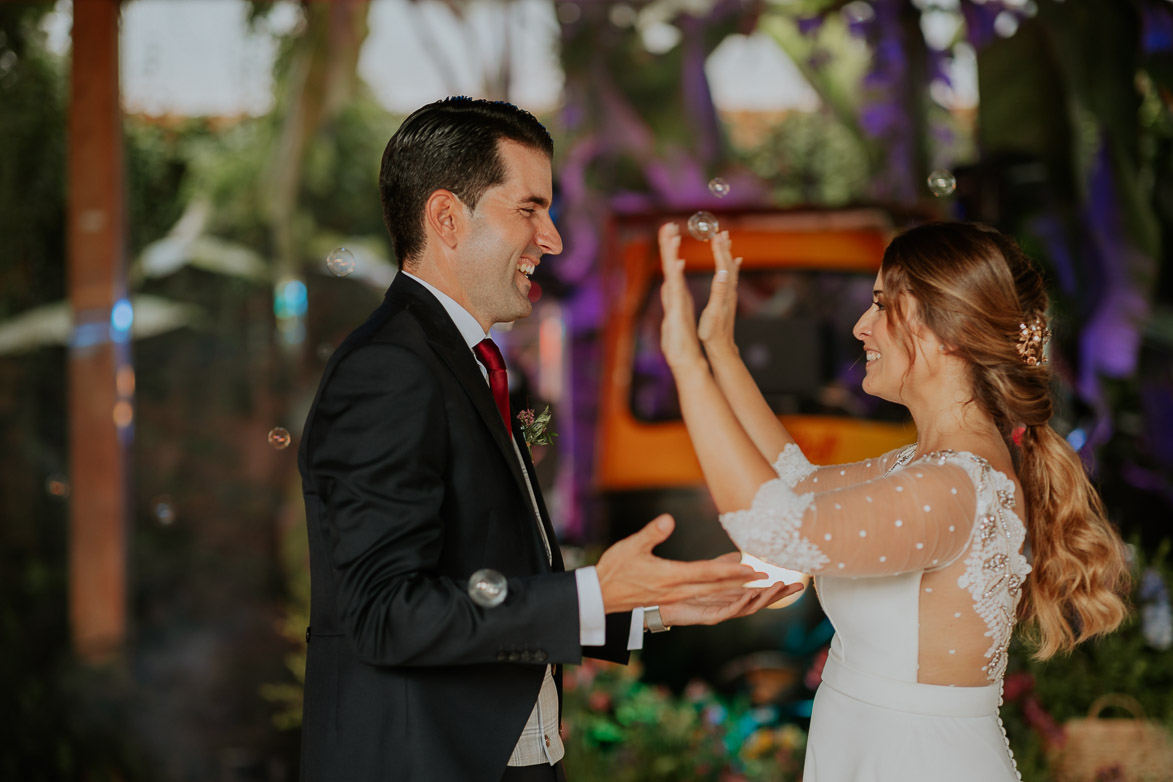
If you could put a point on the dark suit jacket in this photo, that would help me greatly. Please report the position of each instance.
(411, 485)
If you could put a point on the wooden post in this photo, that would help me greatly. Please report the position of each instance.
(101, 376)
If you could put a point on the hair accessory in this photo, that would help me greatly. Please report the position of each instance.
(1032, 341)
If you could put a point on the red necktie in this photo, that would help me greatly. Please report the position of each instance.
(490, 355)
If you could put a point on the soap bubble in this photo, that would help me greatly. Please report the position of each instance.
(942, 183)
(488, 588)
(858, 12)
(703, 226)
(163, 510)
(57, 485)
(279, 438)
(340, 262)
(718, 187)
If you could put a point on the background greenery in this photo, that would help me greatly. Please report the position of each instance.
(1068, 151)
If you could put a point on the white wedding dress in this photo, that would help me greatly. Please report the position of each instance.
(918, 565)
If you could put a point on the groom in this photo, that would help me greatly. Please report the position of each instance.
(415, 476)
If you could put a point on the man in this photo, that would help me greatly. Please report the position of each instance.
(415, 477)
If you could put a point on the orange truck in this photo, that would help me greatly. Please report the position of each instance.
(806, 277)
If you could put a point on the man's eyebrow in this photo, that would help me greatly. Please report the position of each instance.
(877, 292)
(536, 200)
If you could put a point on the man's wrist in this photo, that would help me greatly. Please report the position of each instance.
(653, 622)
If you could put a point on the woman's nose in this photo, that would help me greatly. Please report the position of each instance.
(860, 329)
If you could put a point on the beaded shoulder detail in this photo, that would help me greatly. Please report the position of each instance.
(995, 568)
(792, 465)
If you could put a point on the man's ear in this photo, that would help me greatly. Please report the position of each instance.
(444, 217)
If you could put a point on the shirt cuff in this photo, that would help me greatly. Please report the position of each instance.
(635, 636)
(592, 617)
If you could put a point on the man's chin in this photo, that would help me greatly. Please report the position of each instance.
(507, 321)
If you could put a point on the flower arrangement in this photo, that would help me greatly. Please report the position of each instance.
(619, 729)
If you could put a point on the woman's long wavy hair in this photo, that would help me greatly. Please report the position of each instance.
(975, 289)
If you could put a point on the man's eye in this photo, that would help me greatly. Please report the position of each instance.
(879, 306)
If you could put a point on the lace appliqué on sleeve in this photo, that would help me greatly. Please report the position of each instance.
(792, 465)
(994, 569)
(771, 528)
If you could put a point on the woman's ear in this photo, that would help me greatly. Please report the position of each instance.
(443, 217)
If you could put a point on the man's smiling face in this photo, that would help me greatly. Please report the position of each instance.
(508, 233)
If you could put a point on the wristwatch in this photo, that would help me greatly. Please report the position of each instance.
(653, 623)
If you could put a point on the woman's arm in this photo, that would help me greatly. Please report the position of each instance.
(733, 466)
(733, 378)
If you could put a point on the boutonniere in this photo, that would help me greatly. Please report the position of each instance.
(535, 429)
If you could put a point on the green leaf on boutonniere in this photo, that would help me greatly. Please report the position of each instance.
(536, 428)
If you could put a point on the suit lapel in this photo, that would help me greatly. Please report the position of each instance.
(449, 345)
(543, 514)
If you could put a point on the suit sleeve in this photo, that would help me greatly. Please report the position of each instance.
(377, 454)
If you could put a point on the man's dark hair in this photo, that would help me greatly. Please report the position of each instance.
(451, 144)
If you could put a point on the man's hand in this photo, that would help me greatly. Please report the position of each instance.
(630, 575)
(716, 608)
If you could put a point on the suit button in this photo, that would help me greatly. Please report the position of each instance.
(540, 655)
(307, 635)
(547, 738)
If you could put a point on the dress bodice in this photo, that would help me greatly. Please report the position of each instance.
(918, 563)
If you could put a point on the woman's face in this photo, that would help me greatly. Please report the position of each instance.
(887, 360)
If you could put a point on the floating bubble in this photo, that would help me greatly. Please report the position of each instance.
(279, 438)
(942, 183)
(1005, 24)
(622, 15)
(569, 13)
(57, 485)
(488, 588)
(163, 510)
(858, 12)
(340, 262)
(703, 226)
(718, 187)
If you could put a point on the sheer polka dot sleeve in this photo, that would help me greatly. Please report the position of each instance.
(917, 518)
(793, 468)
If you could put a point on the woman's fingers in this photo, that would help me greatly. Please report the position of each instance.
(727, 266)
(670, 248)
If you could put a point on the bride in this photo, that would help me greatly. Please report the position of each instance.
(925, 558)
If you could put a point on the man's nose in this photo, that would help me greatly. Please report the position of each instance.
(548, 238)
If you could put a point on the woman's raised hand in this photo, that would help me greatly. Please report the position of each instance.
(678, 336)
(716, 325)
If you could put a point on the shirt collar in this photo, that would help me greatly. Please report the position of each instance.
(465, 322)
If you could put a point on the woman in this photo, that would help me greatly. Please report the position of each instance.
(918, 553)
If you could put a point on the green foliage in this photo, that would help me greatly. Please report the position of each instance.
(340, 181)
(619, 729)
(32, 163)
(810, 160)
(156, 163)
(227, 168)
(287, 696)
(1066, 686)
